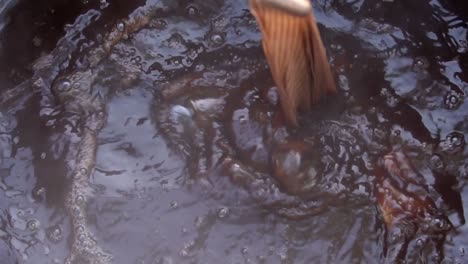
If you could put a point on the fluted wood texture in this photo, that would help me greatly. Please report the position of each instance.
(296, 56)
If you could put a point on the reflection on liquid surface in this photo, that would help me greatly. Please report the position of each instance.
(150, 133)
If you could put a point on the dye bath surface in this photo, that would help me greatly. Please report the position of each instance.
(187, 168)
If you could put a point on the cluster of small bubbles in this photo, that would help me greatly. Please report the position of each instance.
(176, 61)
(136, 59)
(440, 224)
(336, 47)
(199, 67)
(420, 63)
(7, 123)
(395, 237)
(33, 224)
(380, 134)
(54, 233)
(392, 101)
(454, 143)
(175, 41)
(453, 100)
(127, 53)
(120, 26)
(223, 212)
(158, 24)
(191, 53)
(436, 162)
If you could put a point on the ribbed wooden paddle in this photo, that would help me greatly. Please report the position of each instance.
(295, 53)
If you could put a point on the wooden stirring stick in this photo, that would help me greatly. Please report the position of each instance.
(294, 50)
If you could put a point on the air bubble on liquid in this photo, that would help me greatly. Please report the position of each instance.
(223, 212)
(192, 11)
(420, 63)
(33, 224)
(244, 250)
(76, 85)
(120, 26)
(103, 4)
(80, 199)
(39, 191)
(217, 39)
(76, 210)
(80, 229)
(83, 171)
(188, 62)
(174, 204)
(64, 86)
(81, 237)
(456, 139)
(453, 100)
(420, 242)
